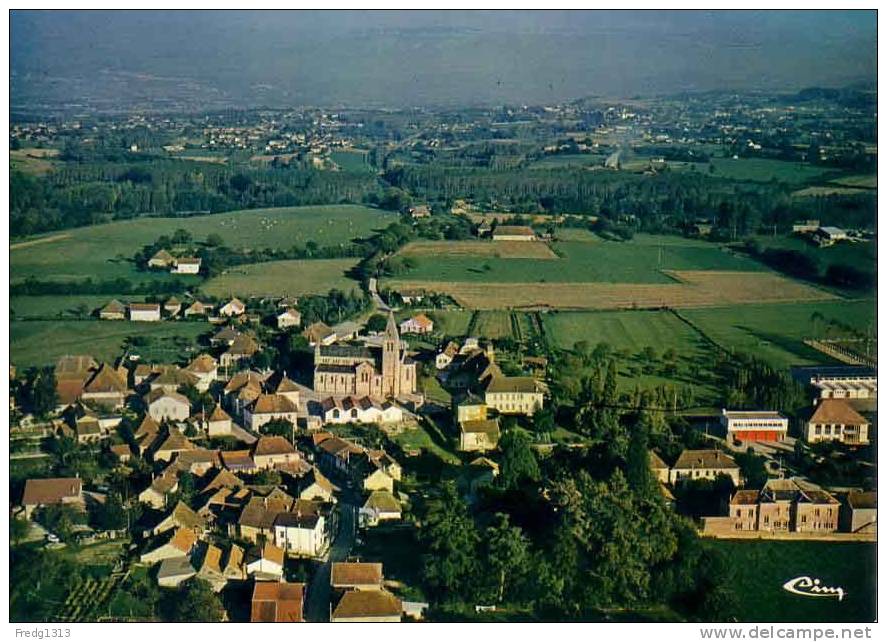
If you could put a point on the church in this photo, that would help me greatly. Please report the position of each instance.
(365, 371)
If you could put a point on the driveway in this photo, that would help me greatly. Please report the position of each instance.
(317, 603)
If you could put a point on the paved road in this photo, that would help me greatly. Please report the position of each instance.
(317, 604)
(374, 293)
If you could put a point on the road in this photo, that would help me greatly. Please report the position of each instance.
(317, 603)
(374, 293)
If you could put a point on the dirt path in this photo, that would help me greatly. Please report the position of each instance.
(47, 239)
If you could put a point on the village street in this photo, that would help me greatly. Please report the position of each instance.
(317, 599)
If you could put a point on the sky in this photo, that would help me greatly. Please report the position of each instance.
(427, 58)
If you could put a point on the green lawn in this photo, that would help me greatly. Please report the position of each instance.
(638, 261)
(493, 324)
(760, 170)
(283, 278)
(568, 160)
(35, 343)
(775, 332)
(632, 330)
(351, 161)
(762, 567)
(105, 251)
(576, 234)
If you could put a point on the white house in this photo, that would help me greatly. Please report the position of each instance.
(289, 318)
(206, 369)
(268, 407)
(267, 563)
(419, 324)
(301, 535)
(187, 265)
(364, 410)
(144, 312)
(164, 405)
(234, 308)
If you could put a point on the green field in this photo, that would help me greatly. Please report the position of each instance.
(351, 160)
(105, 251)
(631, 331)
(762, 567)
(759, 170)
(609, 262)
(576, 234)
(451, 323)
(568, 160)
(493, 324)
(35, 343)
(283, 278)
(775, 332)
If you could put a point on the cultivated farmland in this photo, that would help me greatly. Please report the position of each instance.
(687, 289)
(632, 331)
(283, 278)
(105, 251)
(498, 249)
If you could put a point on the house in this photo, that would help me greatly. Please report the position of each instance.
(338, 454)
(71, 374)
(266, 408)
(171, 379)
(51, 492)
(445, 357)
(162, 259)
(410, 297)
(173, 544)
(234, 308)
(302, 533)
(238, 461)
(265, 563)
(659, 468)
(836, 420)
(277, 602)
(378, 480)
(146, 434)
(347, 330)
(186, 265)
(357, 576)
(165, 447)
(288, 388)
(513, 233)
(218, 423)
(242, 349)
(211, 568)
(172, 307)
(754, 425)
(107, 387)
(163, 405)
(182, 516)
(114, 310)
(379, 372)
(224, 337)
(198, 309)
(479, 435)
(386, 463)
(198, 461)
(859, 514)
(234, 568)
(289, 318)
(161, 488)
(380, 506)
(481, 472)
(287, 302)
(783, 505)
(122, 452)
(314, 486)
(514, 395)
(174, 571)
(419, 211)
(271, 450)
(144, 312)
(319, 333)
(367, 606)
(419, 324)
(703, 464)
(205, 368)
(805, 227)
(469, 407)
(364, 410)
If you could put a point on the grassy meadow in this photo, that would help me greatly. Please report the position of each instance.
(34, 343)
(629, 330)
(283, 278)
(105, 251)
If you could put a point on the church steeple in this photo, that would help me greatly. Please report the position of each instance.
(391, 359)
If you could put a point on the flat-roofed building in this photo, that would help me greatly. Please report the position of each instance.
(754, 425)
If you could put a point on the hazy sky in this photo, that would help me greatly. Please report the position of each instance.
(432, 57)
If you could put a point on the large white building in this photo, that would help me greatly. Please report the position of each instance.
(754, 425)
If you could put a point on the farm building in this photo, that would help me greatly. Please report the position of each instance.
(144, 312)
(754, 425)
(113, 311)
(234, 308)
(106, 387)
(419, 324)
(198, 309)
(161, 259)
(514, 233)
(826, 236)
(172, 306)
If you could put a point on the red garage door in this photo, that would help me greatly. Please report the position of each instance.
(757, 435)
